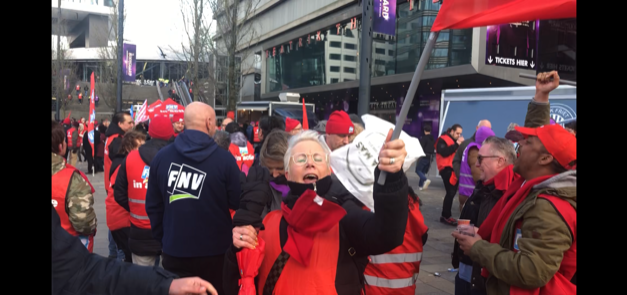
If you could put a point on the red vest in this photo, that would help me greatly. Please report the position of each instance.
(316, 279)
(80, 96)
(560, 283)
(443, 162)
(60, 184)
(117, 217)
(137, 175)
(256, 134)
(243, 155)
(70, 138)
(396, 272)
(107, 160)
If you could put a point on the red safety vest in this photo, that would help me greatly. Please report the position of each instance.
(561, 281)
(107, 160)
(256, 134)
(443, 162)
(70, 132)
(80, 96)
(137, 175)
(316, 279)
(78, 87)
(117, 217)
(396, 272)
(60, 184)
(243, 155)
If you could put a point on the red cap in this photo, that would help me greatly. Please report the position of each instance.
(161, 128)
(340, 123)
(231, 115)
(290, 124)
(178, 117)
(560, 143)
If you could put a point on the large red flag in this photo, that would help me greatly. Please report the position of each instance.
(68, 115)
(462, 14)
(305, 120)
(92, 115)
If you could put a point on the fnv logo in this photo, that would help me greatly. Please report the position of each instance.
(561, 112)
(185, 182)
(171, 107)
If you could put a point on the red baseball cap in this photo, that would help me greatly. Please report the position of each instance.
(178, 117)
(560, 143)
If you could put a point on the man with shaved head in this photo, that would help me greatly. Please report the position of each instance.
(192, 184)
(457, 160)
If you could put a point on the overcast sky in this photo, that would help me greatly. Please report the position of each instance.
(152, 23)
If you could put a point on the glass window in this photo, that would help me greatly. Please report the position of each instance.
(391, 52)
(315, 62)
(379, 50)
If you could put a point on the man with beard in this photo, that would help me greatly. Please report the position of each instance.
(528, 243)
(446, 146)
(338, 130)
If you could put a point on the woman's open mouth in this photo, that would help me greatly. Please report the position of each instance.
(310, 178)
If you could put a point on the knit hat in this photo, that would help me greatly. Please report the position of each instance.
(290, 124)
(560, 143)
(231, 115)
(178, 117)
(161, 128)
(340, 123)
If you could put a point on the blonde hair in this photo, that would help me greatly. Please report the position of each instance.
(358, 129)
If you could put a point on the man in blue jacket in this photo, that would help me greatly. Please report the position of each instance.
(192, 184)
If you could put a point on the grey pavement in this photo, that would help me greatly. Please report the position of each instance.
(436, 254)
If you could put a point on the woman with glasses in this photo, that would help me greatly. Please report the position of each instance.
(319, 243)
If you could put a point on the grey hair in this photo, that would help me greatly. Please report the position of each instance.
(511, 127)
(502, 146)
(306, 135)
(223, 139)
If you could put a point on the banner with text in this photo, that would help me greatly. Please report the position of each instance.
(384, 20)
(512, 45)
(129, 61)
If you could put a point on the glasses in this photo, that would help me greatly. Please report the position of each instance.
(301, 159)
(480, 158)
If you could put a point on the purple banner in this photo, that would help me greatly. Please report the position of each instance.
(424, 111)
(384, 17)
(129, 61)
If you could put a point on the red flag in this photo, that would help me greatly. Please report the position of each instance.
(92, 115)
(305, 120)
(462, 14)
(68, 115)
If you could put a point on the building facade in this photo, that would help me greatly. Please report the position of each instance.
(312, 48)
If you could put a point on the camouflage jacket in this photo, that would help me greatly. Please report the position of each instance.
(79, 200)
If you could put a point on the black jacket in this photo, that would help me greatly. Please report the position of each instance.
(141, 241)
(477, 209)
(87, 145)
(427, 143)
(366, 232)
(76, 271)
(114, 147)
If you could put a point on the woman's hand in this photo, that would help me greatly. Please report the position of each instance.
(245, 236)
(392, 155)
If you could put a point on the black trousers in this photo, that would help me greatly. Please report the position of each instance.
(120, 237)
(451, 191)
(99, 164)
(208, 268)
(90, 160)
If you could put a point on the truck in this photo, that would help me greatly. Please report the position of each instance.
(287, 106)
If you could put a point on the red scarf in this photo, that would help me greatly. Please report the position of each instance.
(492, 228)
(304, 220)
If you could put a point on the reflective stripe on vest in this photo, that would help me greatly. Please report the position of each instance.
(137, 177)
(392, 284)
(396, 258)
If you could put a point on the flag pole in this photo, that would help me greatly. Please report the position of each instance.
(411, 92)
(565, 82)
